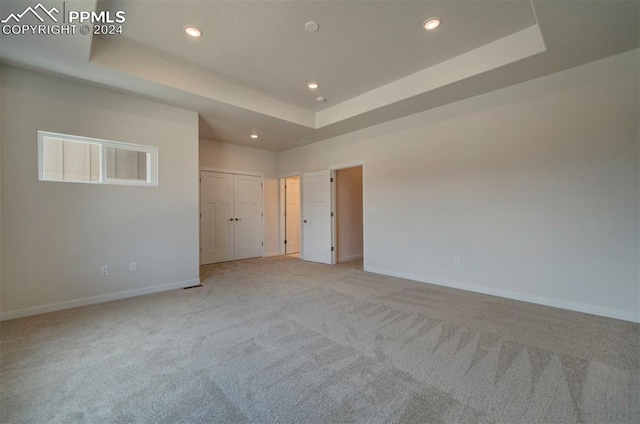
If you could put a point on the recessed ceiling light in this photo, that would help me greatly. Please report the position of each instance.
(192, 31)
(254, 135)
(432, 23)
(311, 26)
(313, 85)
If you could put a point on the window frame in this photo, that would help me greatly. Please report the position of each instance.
(152, 159)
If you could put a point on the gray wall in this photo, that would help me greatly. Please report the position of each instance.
(1, 178)
(57, 235)
(535, 187)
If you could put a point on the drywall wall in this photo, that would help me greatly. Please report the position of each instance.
(57, 235)
(224, 156)
(348, 207)
(1, 126)
(534, 187)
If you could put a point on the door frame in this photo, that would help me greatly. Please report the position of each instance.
(282, 208)
(332, 173)
(334, 229)
(229, 171)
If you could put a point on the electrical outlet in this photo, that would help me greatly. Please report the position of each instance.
(104, 270)
(133, 267)
(456, 261)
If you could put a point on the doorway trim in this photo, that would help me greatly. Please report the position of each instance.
(282, 208)
(232, 171)
(334, 226)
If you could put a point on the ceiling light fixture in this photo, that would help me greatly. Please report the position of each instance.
(254, 136)
(431, 23)
(311, 26)
(321, 99)
(313, 85)
(192, 31)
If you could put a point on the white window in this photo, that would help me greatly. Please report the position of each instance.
(69, 158)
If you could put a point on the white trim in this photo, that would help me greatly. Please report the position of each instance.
(36, 310)
(514, 295)
(347, 165)
(274, 253)
(282, 208)
(349, 258)
(364, 215)
(334, 218)
(264, 227)
(315, 173)
(232, 171)
(281, 211)
(290, 174)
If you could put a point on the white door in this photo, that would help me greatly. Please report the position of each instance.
(316, 216)
(293, 215)
(216, 215)
(248, 216)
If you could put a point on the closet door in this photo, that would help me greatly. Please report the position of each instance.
(216, 217)
(248, 216)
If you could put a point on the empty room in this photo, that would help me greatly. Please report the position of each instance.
(320, 211)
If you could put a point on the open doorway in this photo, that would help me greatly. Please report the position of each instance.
(290, 221)
(332, 203)
(348, 222)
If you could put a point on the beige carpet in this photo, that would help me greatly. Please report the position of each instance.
(277, 340)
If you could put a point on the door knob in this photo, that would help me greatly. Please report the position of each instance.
(238, 219)
(230, 219)
(305, 221)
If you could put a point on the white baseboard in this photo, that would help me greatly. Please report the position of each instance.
(274, 253)
(541, 300)
(95, 299)
(350, 258)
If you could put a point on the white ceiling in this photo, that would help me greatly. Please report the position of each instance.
(373, 60)
(359, 47)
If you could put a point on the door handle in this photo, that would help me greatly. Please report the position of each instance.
(305, 221)
(230, 219)
(238, 219)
